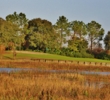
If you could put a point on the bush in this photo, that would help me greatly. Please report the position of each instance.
(53, 51)
(67, 52)
(78, 54)
(103, 56)
(87, 55)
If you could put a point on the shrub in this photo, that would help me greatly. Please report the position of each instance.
(103, 56)
(87, 55)
(78, 54)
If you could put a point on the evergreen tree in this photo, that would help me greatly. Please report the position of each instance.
(62, 28)
(95, 32)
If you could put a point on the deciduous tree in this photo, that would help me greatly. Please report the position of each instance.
(40, 26)
(21, 21)
(8, 32)
(42, 34)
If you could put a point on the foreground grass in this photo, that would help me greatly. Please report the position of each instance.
(48, 86)
(33, 55)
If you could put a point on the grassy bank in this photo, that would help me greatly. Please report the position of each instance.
(35, 55)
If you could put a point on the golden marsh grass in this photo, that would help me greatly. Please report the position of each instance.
(34, 85)
(48, 86)
(45, 65)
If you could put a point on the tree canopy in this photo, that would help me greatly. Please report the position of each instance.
(62, 28)
(8, 32)
(79, 28)
(95, 32)
(41, 26)
(19, 19)
(42, 34)
(16, 31)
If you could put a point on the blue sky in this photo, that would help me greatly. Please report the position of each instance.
(82, 10)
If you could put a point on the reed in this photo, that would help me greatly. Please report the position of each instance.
(49, 65)
(49, 86)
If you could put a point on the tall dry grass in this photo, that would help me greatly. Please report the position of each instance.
(48, 86)
(49, 65)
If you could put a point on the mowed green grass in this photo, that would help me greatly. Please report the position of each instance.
(34, 55)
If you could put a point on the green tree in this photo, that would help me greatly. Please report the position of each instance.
(95, 32)
(73, 44)
(21, 21)
(40, 26)
(7, 32)
(107, 41)
(79, 29)
(77, 38)
(78, 45)
(41, 35)
(62, 28)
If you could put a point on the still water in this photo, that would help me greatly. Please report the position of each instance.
(8, 70)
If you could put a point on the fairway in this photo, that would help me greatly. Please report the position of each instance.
(37, 55)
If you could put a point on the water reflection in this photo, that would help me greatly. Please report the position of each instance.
(94, 84)
(53, 71)
(8, 70)
(94, 73)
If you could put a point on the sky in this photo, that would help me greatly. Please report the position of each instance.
(81, 10)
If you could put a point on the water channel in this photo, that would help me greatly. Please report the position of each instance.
(8, 70)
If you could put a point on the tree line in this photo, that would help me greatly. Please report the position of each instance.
(83, 40)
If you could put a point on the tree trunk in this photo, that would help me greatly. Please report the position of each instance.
(61, 37)
(74, 36)
(91, 44)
